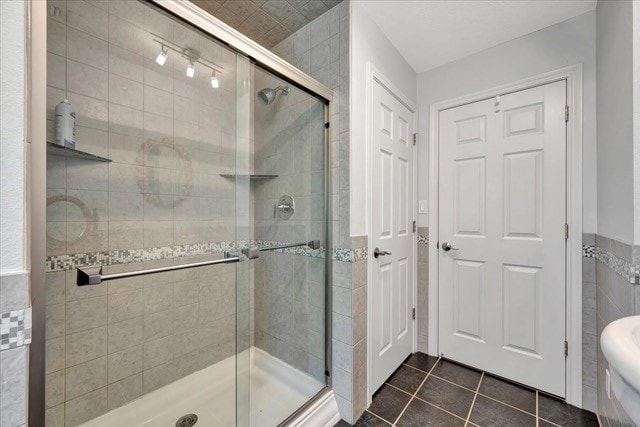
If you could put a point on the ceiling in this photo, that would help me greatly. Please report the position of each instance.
(430, 33)
(267, 22)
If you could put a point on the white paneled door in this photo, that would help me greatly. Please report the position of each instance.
(392, 234)
(502, 198)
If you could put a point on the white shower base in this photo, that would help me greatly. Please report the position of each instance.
(276, 390)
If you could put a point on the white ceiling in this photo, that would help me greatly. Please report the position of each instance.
(430, 33)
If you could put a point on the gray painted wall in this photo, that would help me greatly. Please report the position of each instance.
(561, 45)
(615, 125)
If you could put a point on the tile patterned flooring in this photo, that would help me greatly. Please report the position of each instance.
(427, 391)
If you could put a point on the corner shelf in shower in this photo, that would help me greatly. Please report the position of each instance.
(252, 177)
(57, 150)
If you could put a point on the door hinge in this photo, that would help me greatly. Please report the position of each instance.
(566, 113)
(414, 226)
(413, 313)
(566, 232)
(415, 138)
(566, 349)
(327, 125)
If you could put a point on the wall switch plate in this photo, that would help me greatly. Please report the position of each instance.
(422, 206)
(607, 383)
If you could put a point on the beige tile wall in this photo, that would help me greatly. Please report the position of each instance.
(321, 49)
(169, 138)
(615, 298)
(423, 291)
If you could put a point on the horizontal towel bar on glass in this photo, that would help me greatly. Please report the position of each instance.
(313, 244)
(92, 275)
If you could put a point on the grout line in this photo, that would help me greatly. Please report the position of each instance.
(416, 392)
(421, 370)
(506, 404)
(417, 369)
(473, 402)
(440, 408)
(537, 411)
(552, 423)
(378, 417)
(393, 386)
(458, 385)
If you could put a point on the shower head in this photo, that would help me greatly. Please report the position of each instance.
(268, 95)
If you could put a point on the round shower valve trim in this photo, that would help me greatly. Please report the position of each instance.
(285, 208)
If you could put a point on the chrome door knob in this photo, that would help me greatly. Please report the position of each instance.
(377, 252)
(446, 246)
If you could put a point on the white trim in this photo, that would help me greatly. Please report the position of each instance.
(373, 74)
(324, 412)
(573, 76)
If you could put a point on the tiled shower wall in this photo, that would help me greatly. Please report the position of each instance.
(321, 49)
(616, 297)
(169, 138)
(289, 308)
(423, 288)
(589, 325)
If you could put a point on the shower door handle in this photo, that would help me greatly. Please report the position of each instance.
(92, 275)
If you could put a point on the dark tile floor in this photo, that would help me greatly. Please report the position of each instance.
(425, 391)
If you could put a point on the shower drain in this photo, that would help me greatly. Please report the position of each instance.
(188, 420)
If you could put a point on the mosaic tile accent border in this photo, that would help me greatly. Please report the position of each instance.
(623, 267)
(127, 256)
(423, 239)
(15, 328)
(588, 251)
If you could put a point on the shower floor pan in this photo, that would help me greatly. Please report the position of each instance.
(276, 390)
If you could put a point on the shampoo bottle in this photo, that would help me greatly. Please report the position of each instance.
(66, 124)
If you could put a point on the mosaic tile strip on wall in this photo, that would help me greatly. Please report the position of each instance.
(621, 266)
(115, 257)
(15, 328)
(423, 239)
(588, 251)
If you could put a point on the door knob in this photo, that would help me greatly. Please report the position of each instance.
(446, 246)
(377, 252)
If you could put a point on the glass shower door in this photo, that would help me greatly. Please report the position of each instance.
(290, 226)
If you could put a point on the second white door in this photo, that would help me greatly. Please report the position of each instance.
(392, 233)
(502, 198)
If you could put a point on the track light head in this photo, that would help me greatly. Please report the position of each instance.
(191, 70)
(215, 83)
(162, 56)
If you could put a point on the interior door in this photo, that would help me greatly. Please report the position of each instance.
(392, 233)
(502, 198)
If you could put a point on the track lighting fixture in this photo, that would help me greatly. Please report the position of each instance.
(191, 55)
(191, 69)
(215, 83)
(162, 56)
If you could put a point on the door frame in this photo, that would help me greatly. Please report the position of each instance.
(375, 75)
(573, 275)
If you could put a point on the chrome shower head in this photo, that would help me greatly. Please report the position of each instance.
(268, 95)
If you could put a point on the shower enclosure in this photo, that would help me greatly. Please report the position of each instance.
(188, 253)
